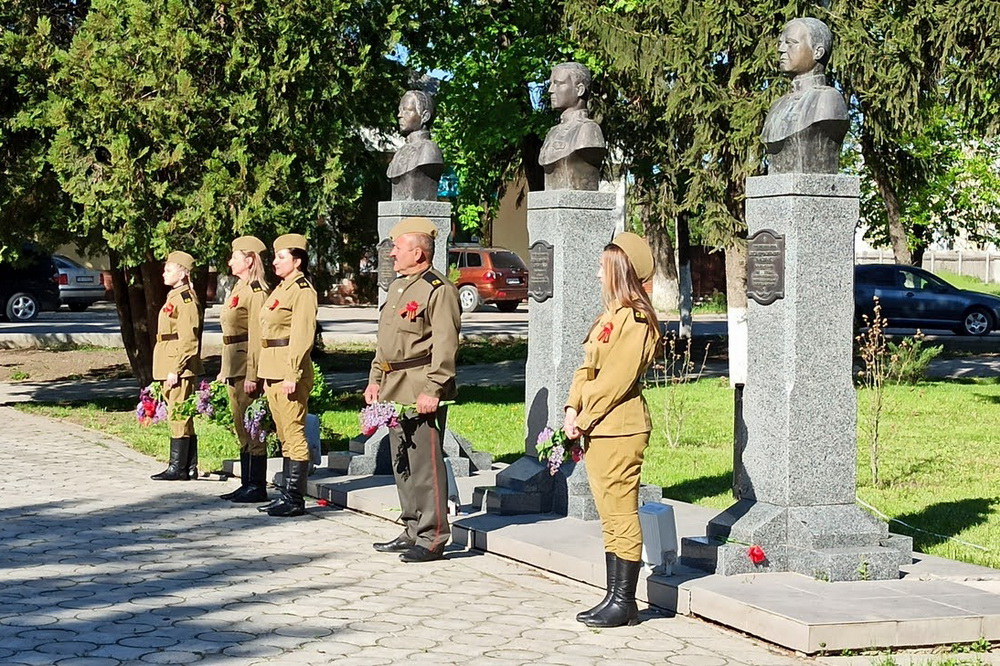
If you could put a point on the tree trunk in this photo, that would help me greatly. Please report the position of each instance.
(531, 146)
(736, 302)
(139, 293)
(685, 286)
(664, 296)
(883, 181)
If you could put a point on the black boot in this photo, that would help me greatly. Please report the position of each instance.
(621, 609)
(294, 502)
(192, 459)
(177, 467)
(610, 560)
(255, 478)
(244, 476)
(285, 462)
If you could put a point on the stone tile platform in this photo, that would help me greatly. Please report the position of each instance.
(937, 601)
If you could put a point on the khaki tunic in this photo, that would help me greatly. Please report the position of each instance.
(240, 317)
(606, 391)
(289, 314)
(421, 318)
(607, 394)
(178, 336)
(429, 328)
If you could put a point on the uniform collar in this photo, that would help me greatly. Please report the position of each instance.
(803, 83)
(183, 285)
(574, 115)
(293, 276)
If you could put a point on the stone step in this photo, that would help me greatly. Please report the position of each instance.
(506, 502)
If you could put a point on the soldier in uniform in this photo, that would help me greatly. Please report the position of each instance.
(288, 329)
(606, 407)
(240, 319)
(177, 362)
(415, 364)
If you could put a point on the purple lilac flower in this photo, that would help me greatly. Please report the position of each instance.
(544, 436)
(556, 459)
(376, 415)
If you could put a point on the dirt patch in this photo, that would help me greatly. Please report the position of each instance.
(40, 365)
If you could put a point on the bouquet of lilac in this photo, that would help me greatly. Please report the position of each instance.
(152, 408)
(259, 423)
(555, 448)
(379, 414)
(210, 400)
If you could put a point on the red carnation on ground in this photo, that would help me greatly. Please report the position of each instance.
(756, 554)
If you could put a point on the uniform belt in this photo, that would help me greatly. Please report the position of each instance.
(405, 365)
(233, 339)
(167, 336)
(279, 342)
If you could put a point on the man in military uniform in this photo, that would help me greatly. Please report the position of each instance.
(415, 365)
(177, 362)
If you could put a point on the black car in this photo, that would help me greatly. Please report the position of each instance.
(28, 286)
(911, 297)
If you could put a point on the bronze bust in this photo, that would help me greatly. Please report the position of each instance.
(417, 166)
(804, 130)
(573, 150)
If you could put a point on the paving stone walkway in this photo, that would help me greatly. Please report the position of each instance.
(101, 566)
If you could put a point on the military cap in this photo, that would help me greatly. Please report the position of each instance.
(249, 244)
(413, 225)
(639, 255)
(290, 242)
(182, 259)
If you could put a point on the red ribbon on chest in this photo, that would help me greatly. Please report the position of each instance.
(605, 333)
(233, 303)
(168, 309)
(273, 305)
(410, 310)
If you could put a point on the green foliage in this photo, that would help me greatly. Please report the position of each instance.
(320, 396)
(981, 645)
(494, 56)
(180, 125)
(909, 359)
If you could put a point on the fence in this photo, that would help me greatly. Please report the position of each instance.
(973, 263)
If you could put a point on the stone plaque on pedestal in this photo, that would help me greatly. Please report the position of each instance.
(386, 274)
(540, 271)
(766, 267)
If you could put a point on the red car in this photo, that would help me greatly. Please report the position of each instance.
(488, 275)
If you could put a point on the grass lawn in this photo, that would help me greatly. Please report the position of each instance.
(940, 457)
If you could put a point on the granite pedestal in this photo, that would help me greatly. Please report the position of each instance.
(799, 405)
(391, 212)
(577, 225)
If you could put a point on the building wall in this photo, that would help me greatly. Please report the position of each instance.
(510, 228)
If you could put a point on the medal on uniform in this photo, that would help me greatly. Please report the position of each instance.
(605, 333)
(410, 310)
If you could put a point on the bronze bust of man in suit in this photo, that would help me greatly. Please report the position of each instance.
(417, 166)
(573, 150)
(804, 130)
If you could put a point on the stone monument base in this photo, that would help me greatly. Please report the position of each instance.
(528, 487)
(372, 455)
(831, 542)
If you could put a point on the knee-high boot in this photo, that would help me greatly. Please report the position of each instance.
(255, 480)
(294, 502)
(610, 561)
(285, 462)
(177, 466)
(244, 476)
(192, 459)
(621, 609)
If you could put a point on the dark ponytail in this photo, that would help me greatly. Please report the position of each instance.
(303, 257)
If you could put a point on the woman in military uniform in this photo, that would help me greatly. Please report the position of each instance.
(177, 362)
(607, 409)
(288, 328)
(240, 319)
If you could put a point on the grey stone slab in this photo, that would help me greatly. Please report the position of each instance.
(819, 186)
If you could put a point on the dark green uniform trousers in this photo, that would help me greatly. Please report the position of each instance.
(421, 480)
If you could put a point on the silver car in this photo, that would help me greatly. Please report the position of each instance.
(79, 287)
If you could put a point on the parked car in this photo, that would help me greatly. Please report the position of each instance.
(79, 286)
(911, 297)
(488, 275)
(28, 287)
